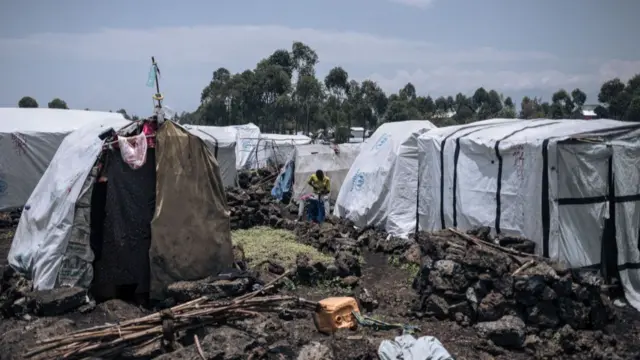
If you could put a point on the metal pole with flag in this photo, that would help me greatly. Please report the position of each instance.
(152, 80)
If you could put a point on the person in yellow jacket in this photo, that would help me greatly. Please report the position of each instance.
(321, 186)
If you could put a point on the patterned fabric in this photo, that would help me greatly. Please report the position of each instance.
(130, 206)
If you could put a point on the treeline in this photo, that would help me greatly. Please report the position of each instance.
(282, 94)
(29, 102)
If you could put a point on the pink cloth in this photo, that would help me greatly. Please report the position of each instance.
(133, 149)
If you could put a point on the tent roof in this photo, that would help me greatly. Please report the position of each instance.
(519, 131)
(24, 120)
(283, 138)
(405, 127)
(225, 135)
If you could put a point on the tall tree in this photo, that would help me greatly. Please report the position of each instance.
(613, 95)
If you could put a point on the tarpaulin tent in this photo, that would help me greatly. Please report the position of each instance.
(247, 137)
(278, 147)
(222, 144)
(380, 188)
(334, 160)
(273, 149)
(28, 140)
(571, 186)
(86, 197)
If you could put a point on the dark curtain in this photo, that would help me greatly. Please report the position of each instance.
(129, 209)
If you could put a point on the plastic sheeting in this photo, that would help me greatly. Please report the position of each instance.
(221, 141)
(278, 147)
(40, 243)
(190, 231)
(380, 188)
(247, 137)
(29, 139)
(312, 157)
(273, 149)
(406, 347)
(530, 178)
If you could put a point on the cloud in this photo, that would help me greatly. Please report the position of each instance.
(432, 68)
(422, 4)
(247, 44)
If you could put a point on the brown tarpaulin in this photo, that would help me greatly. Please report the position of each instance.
(190, 231)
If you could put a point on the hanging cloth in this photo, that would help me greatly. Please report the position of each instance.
(133, 150)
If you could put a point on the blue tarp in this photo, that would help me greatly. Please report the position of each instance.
(284, 182)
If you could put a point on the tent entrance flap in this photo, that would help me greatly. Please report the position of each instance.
(191, 237)
(129, 208)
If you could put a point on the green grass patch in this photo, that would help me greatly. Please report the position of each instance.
(411, 268)
(265, 243)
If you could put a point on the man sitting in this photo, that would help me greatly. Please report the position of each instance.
(321, 186)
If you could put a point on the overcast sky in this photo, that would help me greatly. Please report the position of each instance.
(96, 54)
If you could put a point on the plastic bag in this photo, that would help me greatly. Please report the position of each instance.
(406, 347)
(133, 150)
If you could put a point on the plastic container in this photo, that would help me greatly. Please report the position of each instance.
(335, 313)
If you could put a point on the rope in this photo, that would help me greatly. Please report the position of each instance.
(378, 325)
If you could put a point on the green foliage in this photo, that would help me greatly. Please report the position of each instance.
(28, 102)
(57, 104)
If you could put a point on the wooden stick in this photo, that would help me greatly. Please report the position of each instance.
(526, 265)
(111, 339)
(200, 352)
(497, 247)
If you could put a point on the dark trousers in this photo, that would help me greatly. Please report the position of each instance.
(315, 210)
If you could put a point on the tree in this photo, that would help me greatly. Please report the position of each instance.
(282, 94)
(509, 103)
(337, 82)
(633, 111)
(612, 94)
(562, 105)
(408, 92)
(57, 104)
(304, 59)
(28, 102)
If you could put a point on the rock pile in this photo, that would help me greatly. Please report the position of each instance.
(251, 204)
(518, 243)
(10, 219)
(17, 299)
(262, 178)
(255, 207)
(505, 295)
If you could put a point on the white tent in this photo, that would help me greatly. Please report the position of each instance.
(335, 164)
(50, 209)
(381, 185)
(247, 137)
(555, 182)
(273, 149)
(189, 224)
(221, 141)
(28, 140)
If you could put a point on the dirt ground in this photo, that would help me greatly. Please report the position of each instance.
(387, 282)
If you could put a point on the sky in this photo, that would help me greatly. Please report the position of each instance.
(97, 54)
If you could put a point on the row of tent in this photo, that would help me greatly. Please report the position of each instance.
(29, 138)
(89, 214)
(571, 186)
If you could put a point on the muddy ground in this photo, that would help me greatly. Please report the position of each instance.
(384, 281)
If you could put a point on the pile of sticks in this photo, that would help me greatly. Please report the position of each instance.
(113, 339)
